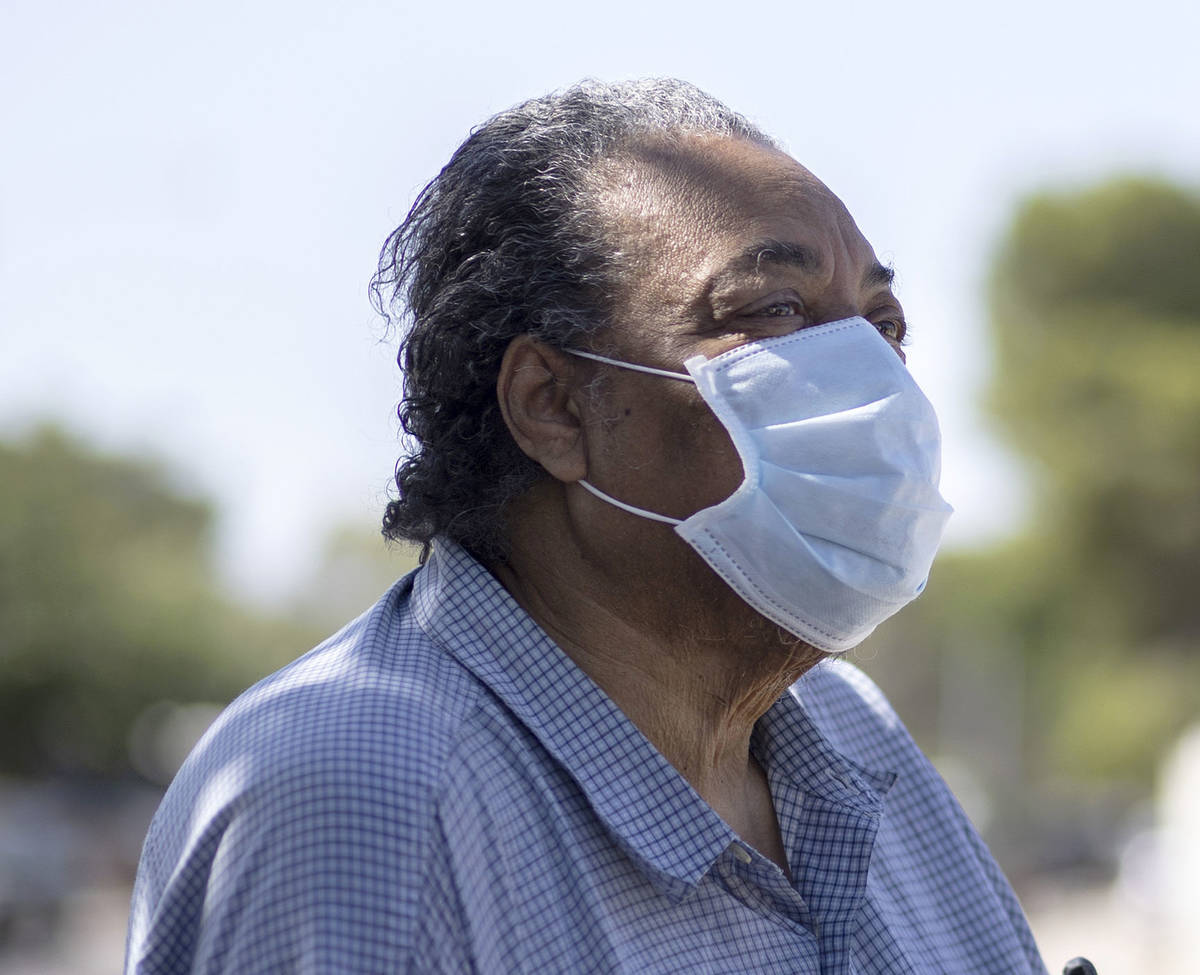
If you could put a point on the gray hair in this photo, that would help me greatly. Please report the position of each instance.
(506, 240)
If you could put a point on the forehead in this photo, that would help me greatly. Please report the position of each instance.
(685, 209)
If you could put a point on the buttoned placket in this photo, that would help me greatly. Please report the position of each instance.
(762, 886)
(837, 803)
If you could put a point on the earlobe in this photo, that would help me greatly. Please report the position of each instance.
(536, 400)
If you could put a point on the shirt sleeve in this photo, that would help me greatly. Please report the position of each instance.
(298, 837)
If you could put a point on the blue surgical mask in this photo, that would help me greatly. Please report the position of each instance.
(836, 523)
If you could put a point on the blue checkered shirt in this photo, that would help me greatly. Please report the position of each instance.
(438, 788)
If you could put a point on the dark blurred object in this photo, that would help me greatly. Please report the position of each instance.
(1079, 966)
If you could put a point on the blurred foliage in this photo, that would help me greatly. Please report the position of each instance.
(108, 603)
(1094, 612)
(1096, 320)
(1095, 302)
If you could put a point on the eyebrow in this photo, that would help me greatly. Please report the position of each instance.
(881, 275)
(787, 254)
(776, 253)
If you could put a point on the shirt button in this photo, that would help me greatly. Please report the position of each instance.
(741, 852)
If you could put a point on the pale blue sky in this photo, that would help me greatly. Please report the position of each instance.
(192, 197)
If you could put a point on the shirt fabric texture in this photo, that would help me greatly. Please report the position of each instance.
(439, 788)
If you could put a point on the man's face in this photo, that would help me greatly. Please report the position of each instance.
(725, 242)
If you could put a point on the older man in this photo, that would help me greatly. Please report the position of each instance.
(666, 461)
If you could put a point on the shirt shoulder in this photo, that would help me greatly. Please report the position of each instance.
(377, 697)
(303, 823)
(853, 714)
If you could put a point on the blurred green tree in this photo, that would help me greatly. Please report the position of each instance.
(1094, 611)
(108, 603)
(1095, 307)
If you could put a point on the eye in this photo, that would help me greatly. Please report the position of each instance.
(780, 308)
(894, 330)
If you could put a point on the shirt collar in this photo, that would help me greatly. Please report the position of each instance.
(651, 810)
(787, 741)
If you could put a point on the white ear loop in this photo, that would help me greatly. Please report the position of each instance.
(628, 507)
(632, 365)
(654, 372)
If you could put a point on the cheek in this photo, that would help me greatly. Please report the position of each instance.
(706, 463)
(664, 451)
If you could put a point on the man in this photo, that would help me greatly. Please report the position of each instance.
(666, 463)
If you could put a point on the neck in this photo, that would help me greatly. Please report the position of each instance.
(690, 664)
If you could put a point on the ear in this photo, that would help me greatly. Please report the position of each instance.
(536, 399)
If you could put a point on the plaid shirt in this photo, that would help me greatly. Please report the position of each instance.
(438, 788)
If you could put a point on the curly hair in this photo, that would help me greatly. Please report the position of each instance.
(506, 240)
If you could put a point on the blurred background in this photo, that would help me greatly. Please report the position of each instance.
(196, 401)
